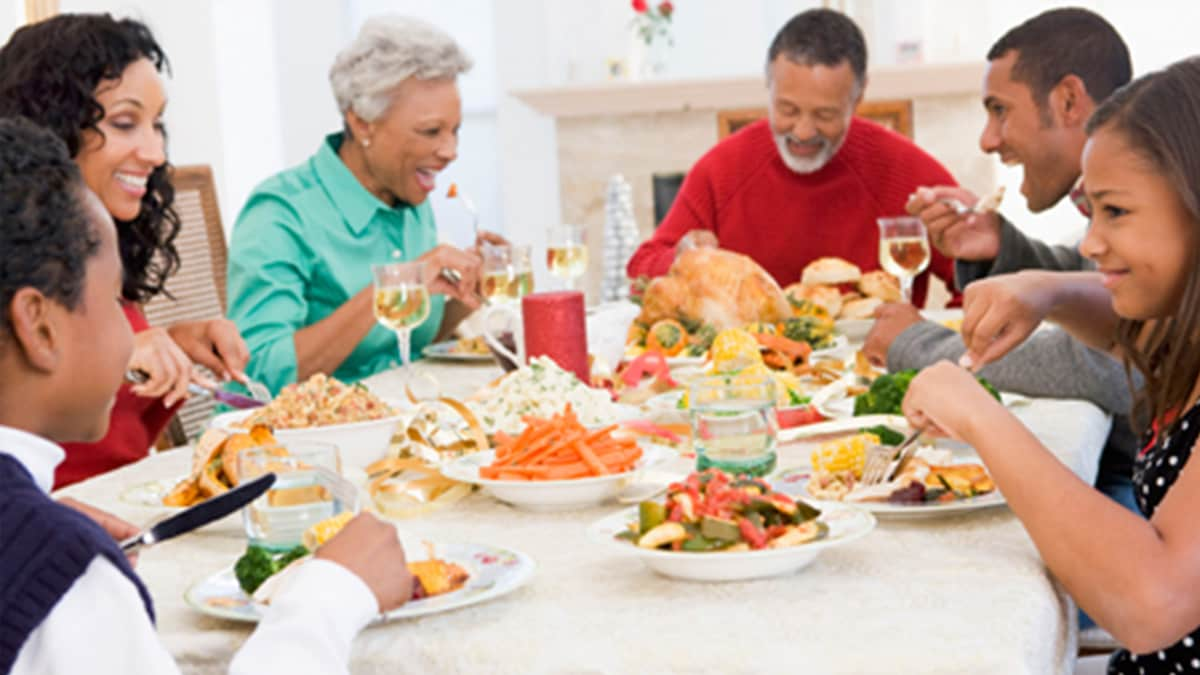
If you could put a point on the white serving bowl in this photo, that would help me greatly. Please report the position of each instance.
(551, 495)
(846, 522)
(359, 443)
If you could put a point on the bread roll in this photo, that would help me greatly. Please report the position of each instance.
(828, 297)
(860, 309)
(830, 271)
(880, 284)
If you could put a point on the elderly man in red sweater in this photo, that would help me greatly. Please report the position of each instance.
(810, 180)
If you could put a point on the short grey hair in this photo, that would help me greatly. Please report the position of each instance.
(388, 50)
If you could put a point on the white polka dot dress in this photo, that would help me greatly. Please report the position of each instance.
(1154, 473)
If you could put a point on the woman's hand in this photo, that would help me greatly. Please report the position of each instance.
(947, 400)
(999, 313)
(215, 344)
(467, 264)
(168, 369)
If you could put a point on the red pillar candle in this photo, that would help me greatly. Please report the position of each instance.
(555, 326)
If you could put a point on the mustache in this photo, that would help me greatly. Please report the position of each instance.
(817, 141)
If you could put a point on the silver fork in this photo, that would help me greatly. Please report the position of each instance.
(258, 391)
(882, 462)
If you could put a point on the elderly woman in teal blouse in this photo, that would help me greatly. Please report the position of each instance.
(300, 260)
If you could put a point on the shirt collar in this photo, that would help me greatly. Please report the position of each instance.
(39, 456)
(355, 202)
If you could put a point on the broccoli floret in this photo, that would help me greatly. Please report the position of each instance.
(702, 340)
(887, 393)
(808, 329)
(887, 435)
(257, 565)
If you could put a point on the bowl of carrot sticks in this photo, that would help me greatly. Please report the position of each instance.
(556, 463)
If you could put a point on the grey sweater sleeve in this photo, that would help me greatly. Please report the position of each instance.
(1019, 252)
(1050, 363)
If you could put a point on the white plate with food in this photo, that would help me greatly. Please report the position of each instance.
(553, 495)
(457, 351)
(150, 494)
(842, 524)
(952, 480)
(493, 572)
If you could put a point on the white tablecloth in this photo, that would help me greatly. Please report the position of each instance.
(958, 595)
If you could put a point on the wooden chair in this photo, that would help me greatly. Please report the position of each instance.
(198, 286)
(895, 115)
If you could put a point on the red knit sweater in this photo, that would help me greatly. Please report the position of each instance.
(133, 425)
(745, 194)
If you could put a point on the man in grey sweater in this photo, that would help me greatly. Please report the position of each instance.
(1044, 79)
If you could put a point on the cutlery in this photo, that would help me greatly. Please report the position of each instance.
(226, 397)
(884, 462)
(201, 514)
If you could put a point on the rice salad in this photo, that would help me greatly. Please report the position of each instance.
(542, 389)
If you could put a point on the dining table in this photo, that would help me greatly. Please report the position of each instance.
(957, 594)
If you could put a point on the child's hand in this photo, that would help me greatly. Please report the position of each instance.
(947, 400)
(117, 528)
(370, 549)
(999, 313)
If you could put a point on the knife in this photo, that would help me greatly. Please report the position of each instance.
(227, 397)
(201, 514)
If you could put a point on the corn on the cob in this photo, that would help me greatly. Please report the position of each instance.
(843, 454)
(325, 530)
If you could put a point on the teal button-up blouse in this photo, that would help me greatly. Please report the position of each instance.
(302, 246)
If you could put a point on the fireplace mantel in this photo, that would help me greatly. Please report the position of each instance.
(653, 96)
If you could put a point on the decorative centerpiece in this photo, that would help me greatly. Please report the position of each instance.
(651, 34)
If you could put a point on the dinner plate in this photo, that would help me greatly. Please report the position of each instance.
(150, 494)
(444, 351)
(494, 571)
(854, 330)
(552, 495)
(794, 482)
(846, 523)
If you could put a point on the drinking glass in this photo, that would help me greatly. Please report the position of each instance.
(903, 250)
(302, 496)
(566, 253)
(507, 273)
(733, 423)
(401, 300)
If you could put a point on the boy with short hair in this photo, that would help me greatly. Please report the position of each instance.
(69, 600)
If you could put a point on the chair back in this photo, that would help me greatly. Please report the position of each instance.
(197, 288)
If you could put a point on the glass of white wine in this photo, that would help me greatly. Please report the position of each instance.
(507, 273)
(401, 300)
(903, 250)
(566, 252)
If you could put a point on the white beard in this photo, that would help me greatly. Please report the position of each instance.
(807, 164)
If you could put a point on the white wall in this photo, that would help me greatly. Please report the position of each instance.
(249, 93)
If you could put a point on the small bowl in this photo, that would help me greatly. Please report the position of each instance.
(359, 443)
(846, 523)
(551, 495)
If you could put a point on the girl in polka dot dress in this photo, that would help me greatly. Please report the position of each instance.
(1138, 577)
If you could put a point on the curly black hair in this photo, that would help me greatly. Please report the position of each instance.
(49, 72)
(45, 233)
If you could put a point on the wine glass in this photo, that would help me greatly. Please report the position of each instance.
(903, 250)
(507, 273)
(566, 253)
(401, 300)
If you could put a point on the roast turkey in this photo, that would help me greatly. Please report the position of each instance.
(715, 286)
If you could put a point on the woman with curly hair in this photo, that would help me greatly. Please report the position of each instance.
(94, 81)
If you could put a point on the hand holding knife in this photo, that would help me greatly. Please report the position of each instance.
(201, 514)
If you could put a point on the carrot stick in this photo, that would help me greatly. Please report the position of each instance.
(591, 460)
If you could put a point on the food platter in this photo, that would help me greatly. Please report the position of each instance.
(446, 351)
